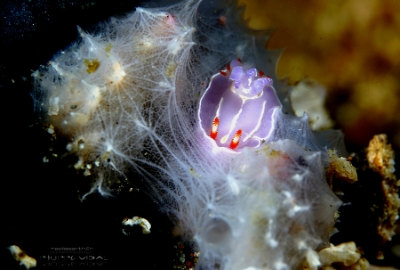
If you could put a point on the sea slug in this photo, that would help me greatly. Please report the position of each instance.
(238, 110)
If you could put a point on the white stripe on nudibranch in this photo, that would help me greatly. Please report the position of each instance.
(219, 107)
(233, 123)
(261, 115)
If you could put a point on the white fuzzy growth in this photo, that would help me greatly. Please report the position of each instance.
(108, 89)
(127, 99)
(275, 220)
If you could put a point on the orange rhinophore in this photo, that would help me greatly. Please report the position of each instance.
(235, 140)
(214, 128)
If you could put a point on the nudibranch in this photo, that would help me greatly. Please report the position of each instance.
(237, 109)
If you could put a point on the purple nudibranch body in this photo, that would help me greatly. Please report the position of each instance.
(238, 107)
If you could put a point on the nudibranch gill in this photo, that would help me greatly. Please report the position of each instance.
(238, 107)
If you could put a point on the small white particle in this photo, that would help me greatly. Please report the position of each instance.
(144, 223)
(21, 257)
